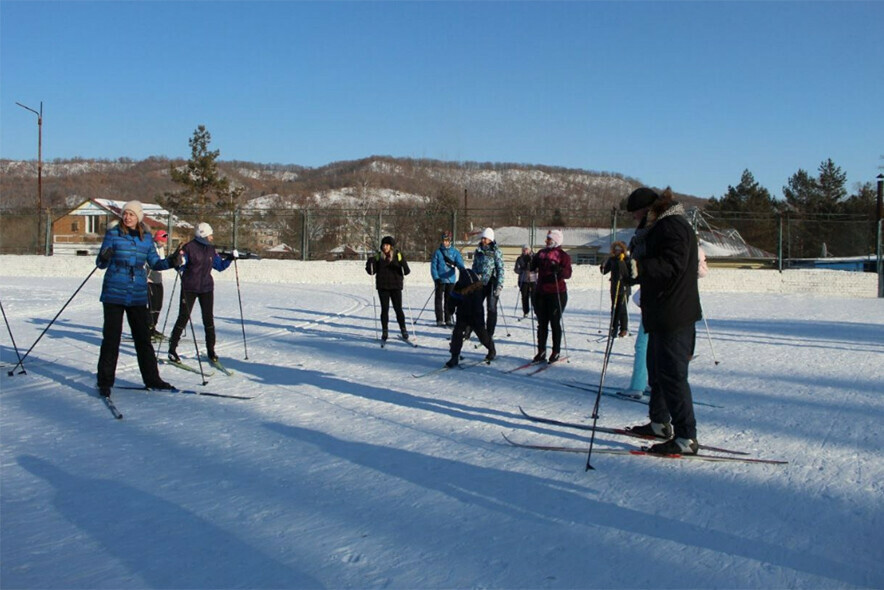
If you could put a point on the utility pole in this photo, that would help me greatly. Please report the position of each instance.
(39, 169)
(880, 222)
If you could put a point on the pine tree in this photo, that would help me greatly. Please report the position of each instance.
(206, 193)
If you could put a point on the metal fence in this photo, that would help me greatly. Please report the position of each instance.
(782, 240)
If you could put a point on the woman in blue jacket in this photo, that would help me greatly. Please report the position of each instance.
(125, 250)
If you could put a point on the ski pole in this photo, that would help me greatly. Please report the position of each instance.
(408, 304)
(22, 359)
(503, 315)
(561, 316)
(708, 335)
(195, 345)
(427, 302)
(168, 309)
(242, 321)
(598, 397)
(11, 337)
(601, 300)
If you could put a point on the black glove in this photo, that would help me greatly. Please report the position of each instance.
(107, 254)
(172, 258)
(555, 268)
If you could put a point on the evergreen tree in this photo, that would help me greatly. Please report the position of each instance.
(816, 202)
(748, 208)
(206, 193)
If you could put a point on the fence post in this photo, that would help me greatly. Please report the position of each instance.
(235, 228)
(47, 248)
(780, 242)
(305, 223)
(880, 262)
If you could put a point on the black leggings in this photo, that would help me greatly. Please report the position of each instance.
(548, 309)
(207, 303)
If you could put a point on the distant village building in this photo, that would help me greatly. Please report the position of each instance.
(80, 231)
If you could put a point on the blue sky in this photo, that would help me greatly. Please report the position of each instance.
(687, 94)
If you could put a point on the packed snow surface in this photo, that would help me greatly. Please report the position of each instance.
(345, 471)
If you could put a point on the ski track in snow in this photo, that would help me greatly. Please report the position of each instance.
(345, 471)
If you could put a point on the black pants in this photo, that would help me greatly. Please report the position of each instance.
(443, 301)
(391, 295)
(139, 318)
(668, 356)
(462, 329)
(490, 307)
(527, 291)
(155, 302)
(620, 315)
(207, 304)
(549, 308)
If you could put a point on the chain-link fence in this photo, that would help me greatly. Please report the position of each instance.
(327, 234)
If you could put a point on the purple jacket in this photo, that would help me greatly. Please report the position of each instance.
(200, 258)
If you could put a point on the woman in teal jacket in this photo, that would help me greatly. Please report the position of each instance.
(125, 250)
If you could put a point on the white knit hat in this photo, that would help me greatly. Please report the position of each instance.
(556, 236)
(487, 233)
(203, 230)
(136, 208)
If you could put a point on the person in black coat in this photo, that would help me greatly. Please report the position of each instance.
(389, 267)
(527, 278)
(467, 299)
(616, 264)
(667, 273)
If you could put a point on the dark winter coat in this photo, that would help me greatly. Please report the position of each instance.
(125, 279)
(445, 263)
(200, 258)
(667, 274)
(389, 272)
(468, 300)
(618, 266)
(551, 263)
(523, 269)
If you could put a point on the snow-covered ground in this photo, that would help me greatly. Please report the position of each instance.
(346, 471)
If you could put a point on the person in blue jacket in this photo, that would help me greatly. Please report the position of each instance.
(125, 250)
(197, 258)
(443, 269)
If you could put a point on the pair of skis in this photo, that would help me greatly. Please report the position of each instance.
(186, 367)
(726, 455)
(617, 393)
(444, 368)
(119, 415)
(540, 366)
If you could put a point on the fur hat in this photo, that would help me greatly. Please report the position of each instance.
(135, 207)
(487, 233)
(556, 236)
(641, 198)
(388, 240)
(619, 244)
(203, 230)
(161, 236)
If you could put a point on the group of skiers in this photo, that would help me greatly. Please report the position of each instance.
(130, 254)
(663, 259)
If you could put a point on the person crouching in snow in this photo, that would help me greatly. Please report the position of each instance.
(468, 298)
